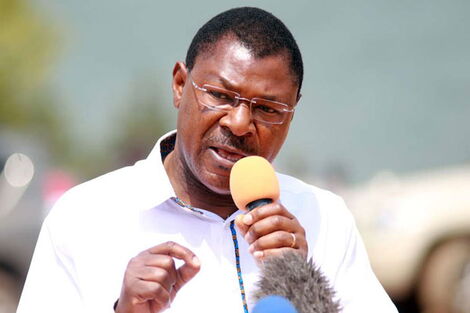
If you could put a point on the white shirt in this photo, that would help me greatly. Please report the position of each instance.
(95, 229)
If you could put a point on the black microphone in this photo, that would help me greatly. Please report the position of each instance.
(299, 281)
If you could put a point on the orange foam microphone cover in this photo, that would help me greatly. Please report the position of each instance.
(253, 178)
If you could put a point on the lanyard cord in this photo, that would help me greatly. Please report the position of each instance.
(239, 269)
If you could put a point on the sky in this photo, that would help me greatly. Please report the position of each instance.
(386, 87)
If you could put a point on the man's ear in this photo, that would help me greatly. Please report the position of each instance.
(180, 73)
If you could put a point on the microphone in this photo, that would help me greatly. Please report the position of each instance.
(274, 304)
(301, 282)
(253, 183)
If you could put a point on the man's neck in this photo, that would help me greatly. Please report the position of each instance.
(193, 192)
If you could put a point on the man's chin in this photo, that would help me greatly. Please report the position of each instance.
(218, 184)
(219, 188)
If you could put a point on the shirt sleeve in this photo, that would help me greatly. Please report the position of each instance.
(358, 287)
(50, 285)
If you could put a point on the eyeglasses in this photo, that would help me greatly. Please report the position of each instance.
(220, 99)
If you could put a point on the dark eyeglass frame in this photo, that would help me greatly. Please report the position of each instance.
(283, 108)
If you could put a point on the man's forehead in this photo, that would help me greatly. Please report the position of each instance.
(236, 63)
(241, 52)
(231, 45)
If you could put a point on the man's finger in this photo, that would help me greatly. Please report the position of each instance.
(186, 272)
(242, 227)
(269, 225)
(149, 290)
(176, 250)
(167, 278)
(275, 240)
(264, 211)
(190, 267)
(263, 255)
(158, 260)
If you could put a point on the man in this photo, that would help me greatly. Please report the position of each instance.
(165, 235)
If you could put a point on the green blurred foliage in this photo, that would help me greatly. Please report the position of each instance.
(28, 46)
(25, 41)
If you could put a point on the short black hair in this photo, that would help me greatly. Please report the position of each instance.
(259, 31)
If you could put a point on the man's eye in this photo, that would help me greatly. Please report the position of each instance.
(219, 95)
(266, 109)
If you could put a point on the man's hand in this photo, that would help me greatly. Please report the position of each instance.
(271, 230)
(151, 280)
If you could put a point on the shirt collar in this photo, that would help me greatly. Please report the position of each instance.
(163, 147)
(154, 181)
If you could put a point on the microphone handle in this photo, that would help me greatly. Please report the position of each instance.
(257, 203)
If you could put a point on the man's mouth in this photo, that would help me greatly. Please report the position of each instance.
(228, 155)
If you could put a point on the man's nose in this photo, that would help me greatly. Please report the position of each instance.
(239, 120)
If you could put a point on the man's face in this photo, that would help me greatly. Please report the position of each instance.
(209, 142)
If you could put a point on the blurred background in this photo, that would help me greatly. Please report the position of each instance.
(383, 121)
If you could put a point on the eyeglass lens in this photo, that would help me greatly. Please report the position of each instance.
(262, 109)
